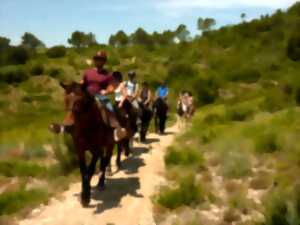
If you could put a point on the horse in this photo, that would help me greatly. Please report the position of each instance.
(145, 117)
(184, 113)
(160, 109)
(89, 133)
(127, 118)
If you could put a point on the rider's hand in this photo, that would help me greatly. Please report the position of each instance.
(103, 92)
(120, 104)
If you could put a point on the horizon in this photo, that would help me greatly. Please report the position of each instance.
(53, 22)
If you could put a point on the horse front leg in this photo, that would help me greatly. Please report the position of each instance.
(105, 159)
(85, 188)
(156, 124)
(118, 158)
(92, 166)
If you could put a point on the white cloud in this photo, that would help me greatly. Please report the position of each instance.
(222, 4)
(177, 8)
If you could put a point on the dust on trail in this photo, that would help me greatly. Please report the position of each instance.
(126, 199)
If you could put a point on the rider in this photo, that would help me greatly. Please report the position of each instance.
(162, 91)
(132, 88)
(145, 95)
(120, 90)
(99, 83)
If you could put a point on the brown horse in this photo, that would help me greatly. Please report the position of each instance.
(127, 118)
(89, 133)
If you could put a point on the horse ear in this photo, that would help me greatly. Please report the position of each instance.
(63, 85)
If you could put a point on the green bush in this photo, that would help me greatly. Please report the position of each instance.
(12, 202)
(293, 47)
(187, 193)
(37, 70)
(267, 141)
(56, 51)
(185, 156)
(34, 152)
(65, 154)
(239, 112)
(178, 71)
(18, 55)
(248, 75)
(235, 164)
(55, 72)
(13, 74)
(13, 168)
(277, 212)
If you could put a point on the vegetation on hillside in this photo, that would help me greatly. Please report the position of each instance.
(245, 79)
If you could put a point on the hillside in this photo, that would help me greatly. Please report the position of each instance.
(245, 78)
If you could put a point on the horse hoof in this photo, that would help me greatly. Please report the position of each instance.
(85, 200)
(120, 167)
(101, 187)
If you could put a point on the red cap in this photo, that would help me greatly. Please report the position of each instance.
(100, 55)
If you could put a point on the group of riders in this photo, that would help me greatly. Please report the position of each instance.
(101, 84)
(96, 123)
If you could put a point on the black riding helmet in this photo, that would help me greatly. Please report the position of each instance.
(117, 75)
(131, 74)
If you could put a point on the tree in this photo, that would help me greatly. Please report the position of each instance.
(90, 39)
(119, 39)
(80, 39)
(31, 42)
(56, 51)
(165, 38)
(4, 43)
(18, 55)
(243, 17)
(206, 24)
(141, 37)
(182, 33)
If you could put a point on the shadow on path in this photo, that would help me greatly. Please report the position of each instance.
(115, 190)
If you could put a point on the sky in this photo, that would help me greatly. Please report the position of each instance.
(53, 21)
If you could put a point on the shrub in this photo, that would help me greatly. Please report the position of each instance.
(185, 156)
(235, 165)
(293, 47)
(55, 72)
(248, 75)
(13, 168)
(34, 152)
(13, 74)
(18, 55)
(239, 112)
(58, 51)
(187, 193)
(12, 202)
(37, 70)
(267, 141)
(277, 211)
(64, 152)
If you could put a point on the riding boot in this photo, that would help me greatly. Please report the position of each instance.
(119, 132)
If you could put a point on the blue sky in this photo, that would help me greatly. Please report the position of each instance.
(53, 21)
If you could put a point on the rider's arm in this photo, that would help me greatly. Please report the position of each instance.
(149, 97)
(112, 85)
(123, 93)
(136, 92)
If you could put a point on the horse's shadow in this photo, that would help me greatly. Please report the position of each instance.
(116, 189)
(151, 140)
(131, 164)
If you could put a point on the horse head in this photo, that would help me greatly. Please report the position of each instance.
(76, 98)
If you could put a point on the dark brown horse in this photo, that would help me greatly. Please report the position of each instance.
(127, 118)
(89, 133)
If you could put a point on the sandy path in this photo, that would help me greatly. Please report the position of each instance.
(126, 200)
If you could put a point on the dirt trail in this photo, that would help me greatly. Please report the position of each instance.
(126, 200)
